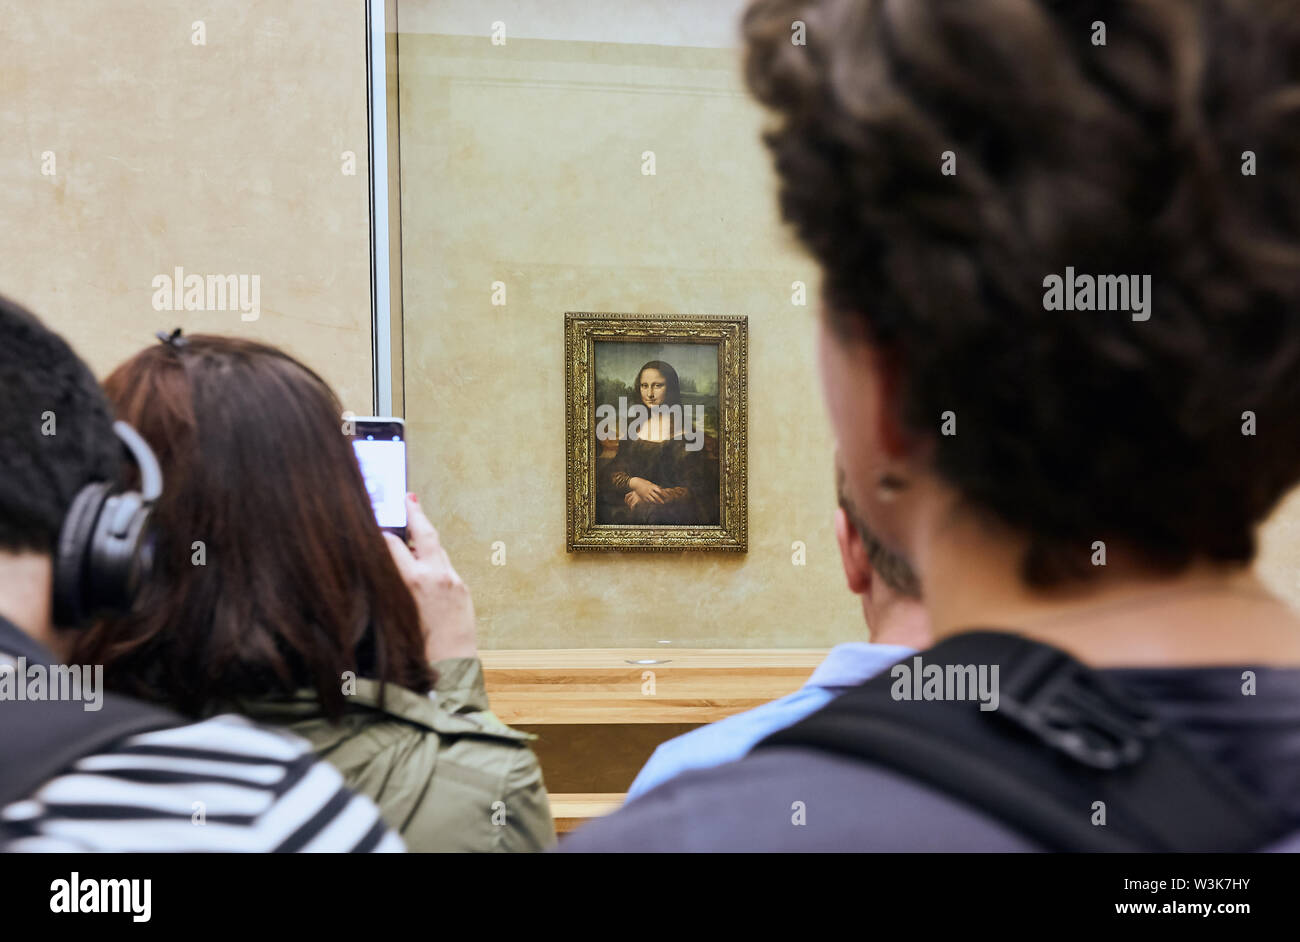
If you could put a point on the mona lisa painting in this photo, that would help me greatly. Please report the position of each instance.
(656, 432)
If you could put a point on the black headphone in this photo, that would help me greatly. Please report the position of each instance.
(105, 549)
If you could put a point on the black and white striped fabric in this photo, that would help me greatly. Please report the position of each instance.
(223, 784)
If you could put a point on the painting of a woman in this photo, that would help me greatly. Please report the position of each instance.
(660, 474)
(655, 432)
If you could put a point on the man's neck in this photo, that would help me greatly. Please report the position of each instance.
(1126, 616)
(27, 579)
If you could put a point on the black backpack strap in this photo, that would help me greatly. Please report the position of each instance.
(41, 738)
(1063, 736)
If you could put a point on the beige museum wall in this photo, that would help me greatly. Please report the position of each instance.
(222, 158)
(1279, 550)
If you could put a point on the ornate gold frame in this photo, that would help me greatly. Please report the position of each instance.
(731, 335)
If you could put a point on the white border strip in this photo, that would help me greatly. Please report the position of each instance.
(381, 328)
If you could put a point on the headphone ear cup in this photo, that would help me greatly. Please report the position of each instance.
(71, 591)
(120, 554)
(105, 548)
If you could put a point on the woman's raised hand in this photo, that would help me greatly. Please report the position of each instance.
(442, 598)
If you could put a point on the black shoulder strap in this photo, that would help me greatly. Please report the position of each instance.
(41, 738)
(1061, 738)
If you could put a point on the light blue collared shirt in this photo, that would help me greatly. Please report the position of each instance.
(847, 665)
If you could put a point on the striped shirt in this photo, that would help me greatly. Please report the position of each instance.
(223, 784)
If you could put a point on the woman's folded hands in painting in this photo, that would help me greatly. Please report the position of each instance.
(643, 491)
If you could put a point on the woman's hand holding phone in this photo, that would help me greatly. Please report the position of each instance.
(441, 596)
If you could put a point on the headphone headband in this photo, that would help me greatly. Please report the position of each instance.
(145, 460)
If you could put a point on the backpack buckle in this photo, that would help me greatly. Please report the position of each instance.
(1075, 710)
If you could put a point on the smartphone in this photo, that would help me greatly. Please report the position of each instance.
(380, 444)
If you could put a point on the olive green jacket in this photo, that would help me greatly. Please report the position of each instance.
(444, 771)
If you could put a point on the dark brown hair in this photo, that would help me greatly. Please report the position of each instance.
(296, 584)
(1122, 158)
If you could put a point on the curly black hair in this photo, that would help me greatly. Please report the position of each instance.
(1131, 157)
(56, 431)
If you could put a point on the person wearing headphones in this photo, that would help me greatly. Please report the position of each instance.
(85, 771)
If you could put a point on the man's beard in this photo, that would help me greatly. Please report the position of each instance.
(896, 572)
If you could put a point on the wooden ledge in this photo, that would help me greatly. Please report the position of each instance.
(575, 808)
(640, 685)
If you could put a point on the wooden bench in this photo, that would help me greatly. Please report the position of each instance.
(601, 711)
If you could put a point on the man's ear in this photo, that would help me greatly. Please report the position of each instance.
(853, 555)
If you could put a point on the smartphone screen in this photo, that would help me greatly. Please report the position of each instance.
(380, 444)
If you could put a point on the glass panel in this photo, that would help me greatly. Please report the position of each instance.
(601, 157)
